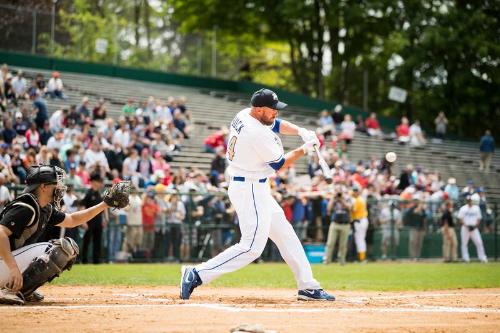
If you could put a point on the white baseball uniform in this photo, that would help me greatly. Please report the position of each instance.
(254, 153)
(470, 215)
(23, 257)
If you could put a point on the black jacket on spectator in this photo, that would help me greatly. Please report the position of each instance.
(447, 218)
(45, 136)
(115, 159)
(337, 117)
(415, 219)
(9, 91)
(8, 135)
(139, 166)
(218, 164)
(94, 230)
(40, 83)
(55, 161)
(21, 127)
(404, 180)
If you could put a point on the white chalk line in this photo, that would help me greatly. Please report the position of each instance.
(422, 295)
(149, 293)
(348, 300)
(150, 296)
(233, 308)
(284, 308)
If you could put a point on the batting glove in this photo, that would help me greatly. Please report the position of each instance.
(308, 147)
(307, 135)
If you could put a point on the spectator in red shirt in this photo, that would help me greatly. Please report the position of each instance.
(359, 179)
(33, 136)
(83, 173)
(287, 205)
(372, 125)
(403, 131)
(217, 139)
(149, 211)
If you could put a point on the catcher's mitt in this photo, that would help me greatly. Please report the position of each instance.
(118, 195)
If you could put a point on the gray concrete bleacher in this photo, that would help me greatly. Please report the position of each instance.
(452, 158)
(213, 109)
(209, 113)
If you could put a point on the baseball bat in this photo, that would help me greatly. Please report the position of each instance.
(327, 172)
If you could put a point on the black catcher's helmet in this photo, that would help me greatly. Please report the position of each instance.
(46, 174)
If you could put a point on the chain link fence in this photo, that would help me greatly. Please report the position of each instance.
(43, 32)
(26, 30)
(210, 226)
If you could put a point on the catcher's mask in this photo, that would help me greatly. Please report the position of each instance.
(47, 174)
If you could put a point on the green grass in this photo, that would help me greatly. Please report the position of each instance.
(373, 276)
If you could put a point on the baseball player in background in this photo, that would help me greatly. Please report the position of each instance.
(469, 217)
(25, 264)
(359, 216)
(254, 153)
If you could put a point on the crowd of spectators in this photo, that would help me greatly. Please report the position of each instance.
(88, 144)
(339, 130)
(416, 199)
(82, 139)
(423, 194)
(339, 127)
(176, 213)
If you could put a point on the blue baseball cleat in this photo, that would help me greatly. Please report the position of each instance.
(314, 295)
(189, 280)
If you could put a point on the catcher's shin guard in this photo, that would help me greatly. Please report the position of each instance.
(60, 255)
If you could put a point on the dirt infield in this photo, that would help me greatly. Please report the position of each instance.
(156, 309)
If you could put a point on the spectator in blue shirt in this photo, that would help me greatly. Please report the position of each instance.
(299, 218)
(42, 112)
(8, 133)
(486, 148)
(452, 189)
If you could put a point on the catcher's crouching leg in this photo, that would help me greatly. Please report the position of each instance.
(60, 255)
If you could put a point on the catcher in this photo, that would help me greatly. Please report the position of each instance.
(25, 264)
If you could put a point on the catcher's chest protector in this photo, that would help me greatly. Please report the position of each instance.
(28, 201)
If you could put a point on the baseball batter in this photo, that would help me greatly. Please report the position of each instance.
(254, 153)
(469, 216)
(26, 264)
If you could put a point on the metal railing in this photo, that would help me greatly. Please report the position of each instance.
(202, 235)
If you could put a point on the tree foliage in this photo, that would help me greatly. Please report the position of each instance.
(445, 53)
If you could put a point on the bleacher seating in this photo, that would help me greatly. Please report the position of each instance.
(213, 109)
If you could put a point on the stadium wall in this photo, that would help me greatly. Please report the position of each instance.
(294, 99)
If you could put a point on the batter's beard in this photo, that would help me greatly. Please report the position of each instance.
(267, 122)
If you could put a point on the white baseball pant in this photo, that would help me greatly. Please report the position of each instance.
(465, 234)
(360, 229)
(260, 217)
(23, 257)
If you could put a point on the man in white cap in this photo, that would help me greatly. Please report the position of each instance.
(470, 216)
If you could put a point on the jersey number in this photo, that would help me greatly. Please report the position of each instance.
(230, 149)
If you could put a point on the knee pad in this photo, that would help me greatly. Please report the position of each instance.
(64, 252)
(60, 255)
